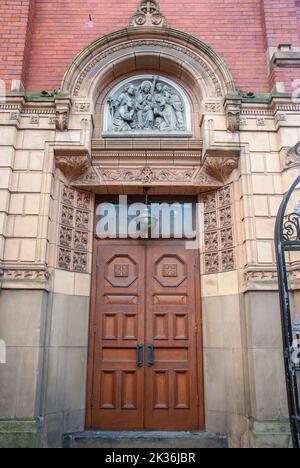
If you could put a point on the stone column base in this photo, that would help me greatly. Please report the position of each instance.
(270, 434)
(18, 434)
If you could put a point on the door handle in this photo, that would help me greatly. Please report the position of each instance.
(150, 357)
(139, 355)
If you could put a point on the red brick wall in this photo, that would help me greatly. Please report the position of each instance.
(282, 21)
(235, 28)
(16, 22)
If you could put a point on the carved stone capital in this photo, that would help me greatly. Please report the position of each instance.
(220, 168)
(293, 156)
(72, 166)
(62, 112)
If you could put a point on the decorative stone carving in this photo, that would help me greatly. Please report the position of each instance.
(148, 14)
(147, 175)
(62, 112)
(220, 167)
(219, 249)
(208, 72)
(73, 237)
(82, 107)
(293, 156)
(147, 105)
(25, 275)
(213, 107)
(227, 260)
(233, 112)
(72, 167)
(90, 177)
(61, 121)
(212, 263)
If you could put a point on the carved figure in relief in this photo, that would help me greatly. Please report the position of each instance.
(148, 106)
(123, 109)
(145, 105)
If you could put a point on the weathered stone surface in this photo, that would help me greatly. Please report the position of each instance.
(124, 439)
(18, 434)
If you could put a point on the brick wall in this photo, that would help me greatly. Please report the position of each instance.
(235, 28)
(16, 23)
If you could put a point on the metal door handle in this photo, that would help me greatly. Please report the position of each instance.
(150, 357)
(139, 355)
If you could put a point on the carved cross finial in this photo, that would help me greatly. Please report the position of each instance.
(148, 14)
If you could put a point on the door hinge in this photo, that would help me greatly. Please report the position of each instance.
(95, 328)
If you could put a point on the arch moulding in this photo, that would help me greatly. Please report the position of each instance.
(171, 54)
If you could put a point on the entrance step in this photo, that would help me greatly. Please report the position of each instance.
(144, 439)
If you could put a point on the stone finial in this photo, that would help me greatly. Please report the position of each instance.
(148, 14)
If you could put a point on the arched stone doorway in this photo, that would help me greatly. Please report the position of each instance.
(189, 158)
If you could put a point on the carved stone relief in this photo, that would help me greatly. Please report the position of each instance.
(221, 167)
(147, 175)
(293, 156)
(219, 255)
(72, 167)
(148, 14)
(147, 105)
(73, 237)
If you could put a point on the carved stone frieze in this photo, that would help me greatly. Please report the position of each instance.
(293, 156)
(220, 168)
(72, 167)
(18, 274)
(89, 178)
(148, 175)
(148, 14)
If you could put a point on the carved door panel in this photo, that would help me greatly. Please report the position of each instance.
(118, 383)
(144, 294)
(171, 371)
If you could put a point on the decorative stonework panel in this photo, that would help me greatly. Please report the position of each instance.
(148, 14)
(147, 105)
(219, 252)
(74, 230)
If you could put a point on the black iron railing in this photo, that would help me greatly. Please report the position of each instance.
(287, 239)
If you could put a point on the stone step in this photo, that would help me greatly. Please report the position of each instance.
(144, 439)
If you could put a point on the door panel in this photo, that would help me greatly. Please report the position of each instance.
(171, 382)
(145, 294)
(118, 384)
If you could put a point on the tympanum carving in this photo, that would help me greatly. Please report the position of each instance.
(147, 105)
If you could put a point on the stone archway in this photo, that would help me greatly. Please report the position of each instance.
(171, 54)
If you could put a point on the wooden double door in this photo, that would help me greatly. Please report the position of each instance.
(145, 364)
